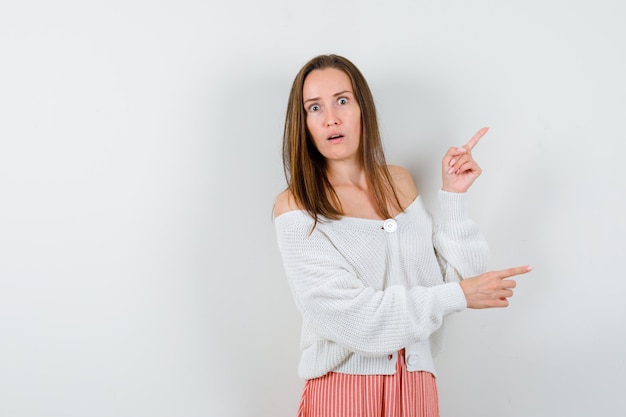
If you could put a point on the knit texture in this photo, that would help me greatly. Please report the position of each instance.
(365, 293)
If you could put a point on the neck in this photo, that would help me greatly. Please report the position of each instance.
(346, 173)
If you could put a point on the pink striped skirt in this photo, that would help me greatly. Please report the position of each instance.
(404, 394)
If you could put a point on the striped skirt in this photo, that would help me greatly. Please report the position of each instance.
(404, 394)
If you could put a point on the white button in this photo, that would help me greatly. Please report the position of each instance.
(390, 225)
(412, 359)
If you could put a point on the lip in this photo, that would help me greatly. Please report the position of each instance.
(335, 136)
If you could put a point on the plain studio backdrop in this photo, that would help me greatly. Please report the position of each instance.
(140, 157)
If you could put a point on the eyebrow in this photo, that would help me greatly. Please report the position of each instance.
(334, 95)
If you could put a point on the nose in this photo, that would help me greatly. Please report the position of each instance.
(331, 119)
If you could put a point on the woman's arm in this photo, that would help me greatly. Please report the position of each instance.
(462, 250)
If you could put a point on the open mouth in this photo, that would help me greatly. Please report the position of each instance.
(333, 137)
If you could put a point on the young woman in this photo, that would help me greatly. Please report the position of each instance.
(371, 276)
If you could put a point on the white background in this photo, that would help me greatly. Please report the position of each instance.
(140, 157)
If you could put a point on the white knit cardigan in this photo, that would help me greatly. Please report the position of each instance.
(366, 291)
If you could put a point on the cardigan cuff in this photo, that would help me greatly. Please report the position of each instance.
(450, 298)
(454, 207)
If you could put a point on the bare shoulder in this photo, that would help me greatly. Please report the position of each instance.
(285, 202)
(405, 186)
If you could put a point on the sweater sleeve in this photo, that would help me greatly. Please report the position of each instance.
(462, 251)
(338, 306)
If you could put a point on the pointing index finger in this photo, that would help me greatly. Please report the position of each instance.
(474, 140)
(506, 273)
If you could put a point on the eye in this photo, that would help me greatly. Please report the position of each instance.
(342, 101)
(314, 108)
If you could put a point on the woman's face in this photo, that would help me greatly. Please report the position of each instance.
(333, 115)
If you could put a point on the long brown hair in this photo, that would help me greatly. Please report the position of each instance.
(305, 167)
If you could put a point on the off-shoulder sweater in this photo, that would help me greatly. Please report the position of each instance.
(369, 288)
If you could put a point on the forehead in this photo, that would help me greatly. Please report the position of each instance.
(325, 82)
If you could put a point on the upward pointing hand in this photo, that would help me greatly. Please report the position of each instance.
(459, 170)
